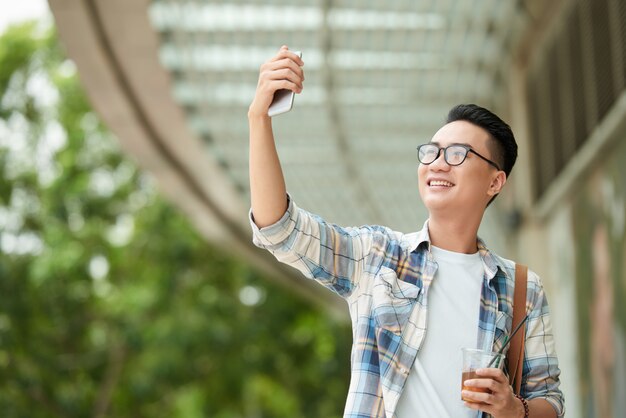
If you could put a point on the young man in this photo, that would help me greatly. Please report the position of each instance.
(415, 299)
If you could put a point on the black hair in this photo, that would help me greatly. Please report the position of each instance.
(503, 145)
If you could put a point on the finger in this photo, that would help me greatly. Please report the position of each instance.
(475, 405)
(285, 53)
(282, 48)
(285, 63)
(494, 373)
(490, 384)
(479, 397)
(283, 84)
(285, 74)
(471, 405)
(480, 407)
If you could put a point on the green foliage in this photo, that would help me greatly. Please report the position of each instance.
(110, 303)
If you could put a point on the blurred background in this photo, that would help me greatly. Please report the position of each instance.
(129, 286)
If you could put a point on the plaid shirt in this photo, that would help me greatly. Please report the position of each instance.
(385, 276)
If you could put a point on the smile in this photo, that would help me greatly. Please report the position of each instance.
(440, 183)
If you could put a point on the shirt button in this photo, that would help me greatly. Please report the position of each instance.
(404, 371)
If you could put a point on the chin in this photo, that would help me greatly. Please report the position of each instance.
(432, 203)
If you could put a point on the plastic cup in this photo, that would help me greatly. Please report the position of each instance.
(478, 359)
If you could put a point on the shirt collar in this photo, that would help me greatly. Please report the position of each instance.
(490, 260)
(417, 238)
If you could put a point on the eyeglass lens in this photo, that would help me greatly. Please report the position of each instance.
(454, 155)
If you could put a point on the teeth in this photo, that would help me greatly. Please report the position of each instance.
(441, 183)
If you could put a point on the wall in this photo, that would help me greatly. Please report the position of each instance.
(598, 214)
(580, 251)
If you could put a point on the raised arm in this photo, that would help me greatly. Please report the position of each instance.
(267, 184)
(334, 256)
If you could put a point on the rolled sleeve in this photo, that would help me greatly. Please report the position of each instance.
(541, 365)
(334, 256)
(270, 236)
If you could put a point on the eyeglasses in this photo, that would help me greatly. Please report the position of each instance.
(453, 154)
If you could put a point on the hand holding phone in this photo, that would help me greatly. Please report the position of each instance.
(283, 99)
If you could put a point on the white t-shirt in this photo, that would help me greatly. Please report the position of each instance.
(433, 387)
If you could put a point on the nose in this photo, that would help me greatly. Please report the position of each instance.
(440, 163)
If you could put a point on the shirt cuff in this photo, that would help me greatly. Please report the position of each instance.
(558, 407)
(271, 235)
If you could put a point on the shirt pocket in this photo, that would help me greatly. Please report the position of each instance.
(393, 301)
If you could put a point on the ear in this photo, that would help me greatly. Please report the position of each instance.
(497, 183)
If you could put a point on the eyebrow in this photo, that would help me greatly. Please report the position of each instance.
(454, 143)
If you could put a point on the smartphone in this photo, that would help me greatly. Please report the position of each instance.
(283, 99)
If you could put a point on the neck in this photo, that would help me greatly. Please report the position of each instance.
(454, 233)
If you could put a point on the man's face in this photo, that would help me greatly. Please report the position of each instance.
(466, 187)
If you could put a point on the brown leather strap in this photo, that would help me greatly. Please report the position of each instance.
(515, 355)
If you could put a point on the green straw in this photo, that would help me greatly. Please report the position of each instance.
(508, 340)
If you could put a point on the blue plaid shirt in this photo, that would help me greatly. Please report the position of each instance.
(384, 276)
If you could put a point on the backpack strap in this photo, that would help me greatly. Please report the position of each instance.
(515, 355)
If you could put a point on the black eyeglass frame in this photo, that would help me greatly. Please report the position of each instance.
(467, 149)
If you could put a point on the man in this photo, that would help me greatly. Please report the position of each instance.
(415, 299)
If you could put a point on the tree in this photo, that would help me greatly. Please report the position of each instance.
(110, 303)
